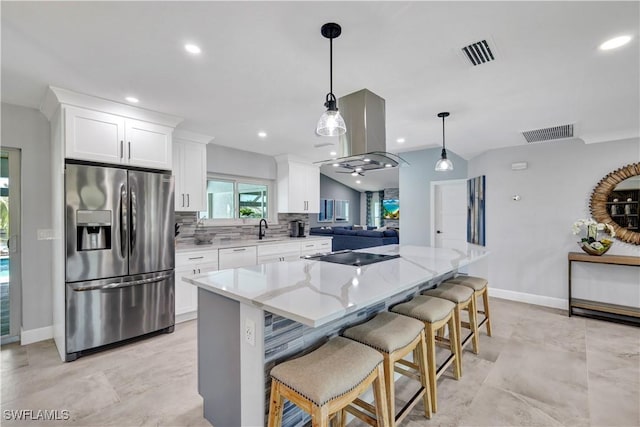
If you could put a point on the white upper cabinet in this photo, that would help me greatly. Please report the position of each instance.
(148, 144)
(92, 135)
(108, 138)
(104, 131)
(190, 171)
(298, 186)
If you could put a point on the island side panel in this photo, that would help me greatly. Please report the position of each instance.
(252, 365)
(219, 358)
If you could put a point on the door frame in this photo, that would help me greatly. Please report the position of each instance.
(14, 245)
(432, 204)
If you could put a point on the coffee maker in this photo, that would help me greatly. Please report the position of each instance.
(297, 228)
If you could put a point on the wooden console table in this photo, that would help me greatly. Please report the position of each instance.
(596, 306)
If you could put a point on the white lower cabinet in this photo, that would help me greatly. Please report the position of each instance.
(237, 257)
(278, 252)
(189, 264)
(315, 247)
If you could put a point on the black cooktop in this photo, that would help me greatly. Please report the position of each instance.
(357, 259)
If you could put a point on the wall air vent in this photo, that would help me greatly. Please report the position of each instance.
(548, 134)
(478, 53)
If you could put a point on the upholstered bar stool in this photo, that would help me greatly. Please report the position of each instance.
(329, 379)
(463, 298)
(395, 336)
(435, 313)
(480, 288)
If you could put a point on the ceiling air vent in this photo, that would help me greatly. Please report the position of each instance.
(478, 53)
(548, 134)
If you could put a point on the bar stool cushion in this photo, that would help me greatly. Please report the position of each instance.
(425, 308)
(387, 332)
(332, 370)
(475, 283)
(451, 292)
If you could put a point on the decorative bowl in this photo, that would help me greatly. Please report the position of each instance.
(586, 246)
(202, 236)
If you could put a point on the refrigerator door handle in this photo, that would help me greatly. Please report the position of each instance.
(123, 221)
(133, 215)
(80, 287)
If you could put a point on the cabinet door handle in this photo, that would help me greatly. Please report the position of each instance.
(188, 201)
(121, 148)
(240, 250)
(196, 257)
(194, 271)
(183, 200)
(198, 271)
(308, 246)
(129, 149)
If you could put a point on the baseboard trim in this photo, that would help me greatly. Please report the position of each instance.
(185, 317)
(35, 335)
(529, 298)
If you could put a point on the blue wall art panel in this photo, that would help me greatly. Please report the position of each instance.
(475, 210)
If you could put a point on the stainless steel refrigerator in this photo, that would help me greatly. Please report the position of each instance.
(120, 255)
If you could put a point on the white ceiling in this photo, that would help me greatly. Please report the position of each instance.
(265, 66)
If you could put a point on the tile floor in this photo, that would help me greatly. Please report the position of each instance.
(540, 368)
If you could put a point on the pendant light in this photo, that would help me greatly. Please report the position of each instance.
(443, 164)
(331, 122)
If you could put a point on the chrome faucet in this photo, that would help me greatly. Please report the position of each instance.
(262, 232)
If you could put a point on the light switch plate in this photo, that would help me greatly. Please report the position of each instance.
(45, 234)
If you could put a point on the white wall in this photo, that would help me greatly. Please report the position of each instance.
(529, 239)
(415, 192)
(230, 161)
(28, 130)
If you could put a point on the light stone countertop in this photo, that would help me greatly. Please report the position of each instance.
(238, 243)
(316, 292)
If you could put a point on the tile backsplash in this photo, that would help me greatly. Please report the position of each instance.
(188, 221)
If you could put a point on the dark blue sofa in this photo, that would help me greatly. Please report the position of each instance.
(347, 238)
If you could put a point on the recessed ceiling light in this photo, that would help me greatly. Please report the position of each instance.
(400, 140)
(333, 153)
(367, 160)
(388, 165)
(262, 134)
(132, 99)
(358, 169)
(358, 182)
(615, 42)
(335, 165)
(192, 48)
(354, 173)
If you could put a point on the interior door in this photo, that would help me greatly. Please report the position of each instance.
(151, 228)
(450, 214)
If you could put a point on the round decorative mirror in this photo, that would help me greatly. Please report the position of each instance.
(616, 201)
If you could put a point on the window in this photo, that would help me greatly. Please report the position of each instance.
(232, 198)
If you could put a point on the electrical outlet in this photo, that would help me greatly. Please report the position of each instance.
(250, 331)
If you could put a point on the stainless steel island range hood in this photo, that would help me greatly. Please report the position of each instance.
(363, 147)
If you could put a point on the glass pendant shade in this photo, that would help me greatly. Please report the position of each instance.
(444, 165)
(331, 123)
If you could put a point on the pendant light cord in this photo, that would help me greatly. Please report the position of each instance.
(331, 66)
(443, 132)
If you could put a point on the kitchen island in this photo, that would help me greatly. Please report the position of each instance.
(251, 318)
